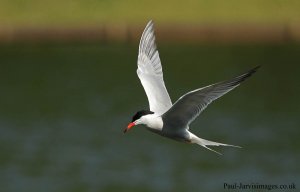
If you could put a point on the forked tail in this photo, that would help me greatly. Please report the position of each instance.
(204, 143)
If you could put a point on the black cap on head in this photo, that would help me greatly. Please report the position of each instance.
(141, 113)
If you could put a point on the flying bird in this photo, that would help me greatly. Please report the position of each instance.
(173, 120)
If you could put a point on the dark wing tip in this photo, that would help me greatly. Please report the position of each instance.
(237, 80)
(244, 76)
(252, 71)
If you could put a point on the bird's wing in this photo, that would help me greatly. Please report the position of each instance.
(190, 105)
(150, 72)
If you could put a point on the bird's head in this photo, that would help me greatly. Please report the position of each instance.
(137, 119)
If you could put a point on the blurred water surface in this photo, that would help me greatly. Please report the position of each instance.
(63, 108)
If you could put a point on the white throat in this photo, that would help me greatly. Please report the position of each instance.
(152, 121)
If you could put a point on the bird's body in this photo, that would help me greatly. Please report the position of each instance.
(163, 118)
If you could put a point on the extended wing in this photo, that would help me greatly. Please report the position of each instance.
(150, 72)
(190, 105)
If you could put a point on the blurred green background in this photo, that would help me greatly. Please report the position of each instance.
(64, 104)
(87, 12)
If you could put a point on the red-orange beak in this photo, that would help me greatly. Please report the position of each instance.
(130, 125)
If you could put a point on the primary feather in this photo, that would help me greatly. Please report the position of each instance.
(191, 104)
(150, 73)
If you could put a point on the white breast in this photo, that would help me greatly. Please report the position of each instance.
(153, 121)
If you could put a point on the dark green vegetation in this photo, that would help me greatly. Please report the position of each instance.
(63, 109)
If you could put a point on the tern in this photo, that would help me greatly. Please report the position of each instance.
(163, 118)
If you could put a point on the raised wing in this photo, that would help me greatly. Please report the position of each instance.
(190, 105)
(150, 73)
